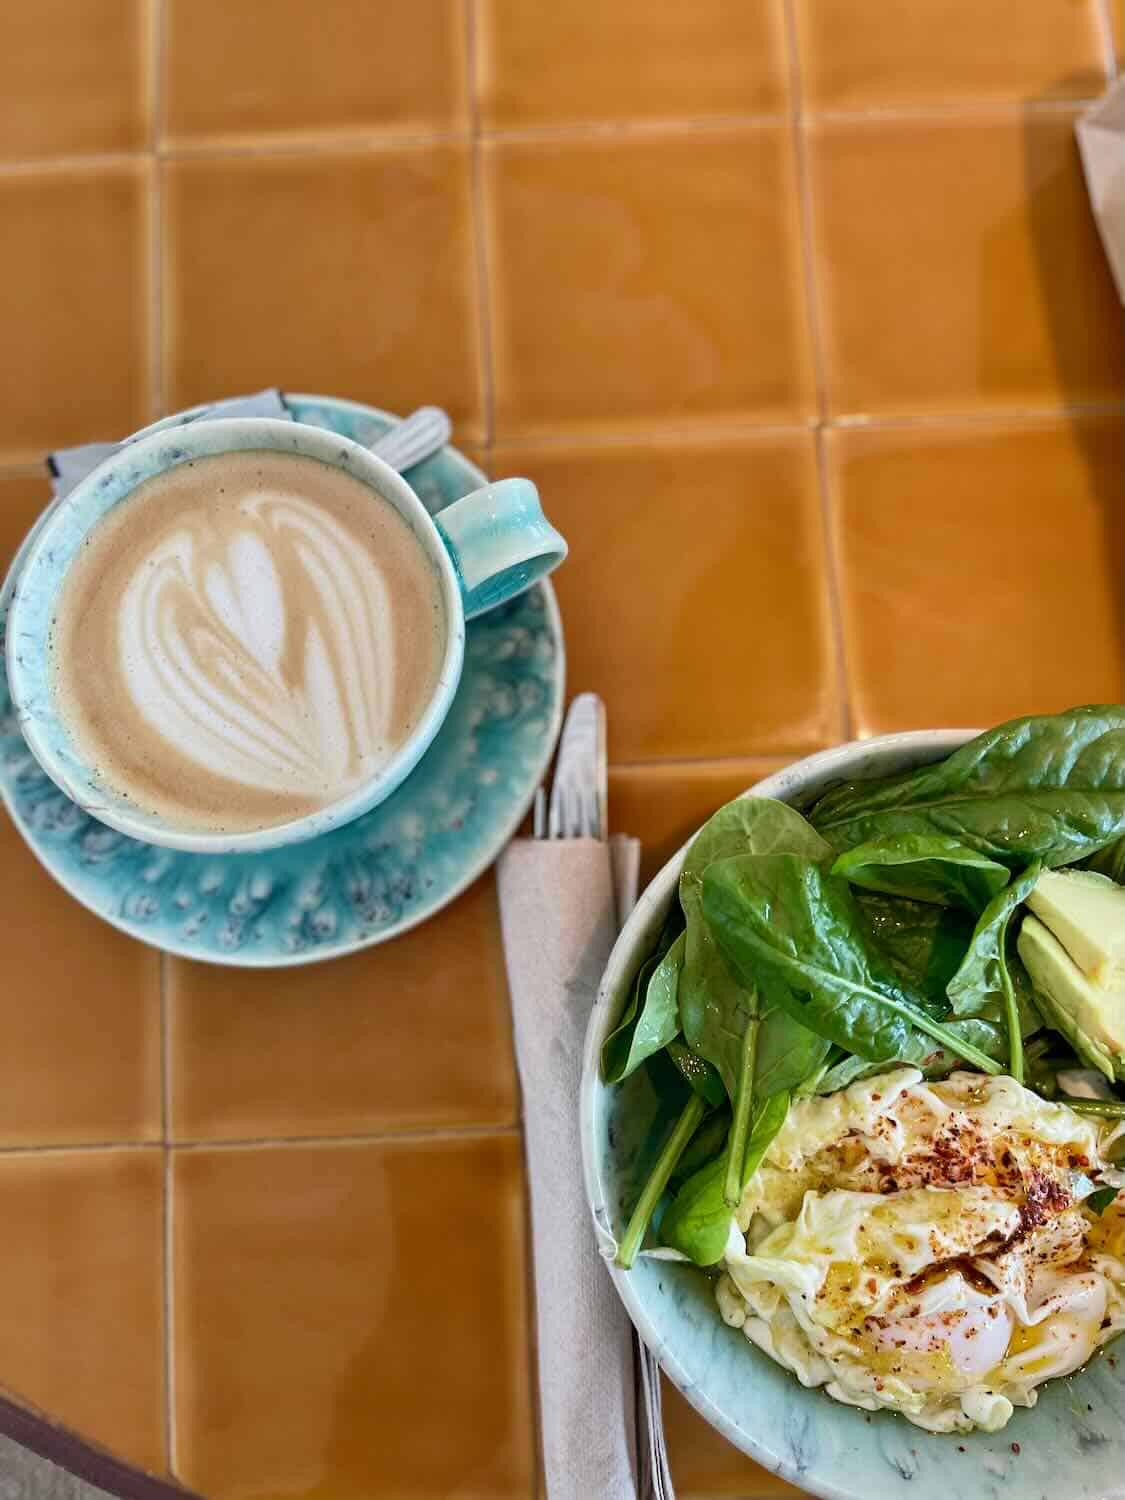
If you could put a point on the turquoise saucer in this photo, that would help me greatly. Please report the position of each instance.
(374, 878)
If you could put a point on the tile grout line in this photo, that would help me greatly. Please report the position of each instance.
(488, 392)
(169, 1265)
(408, 1136)
(386, 1137)
(480, 234)
(846, 711)
(170, 1455)
(843, 711)
(156, 227)
(382, 140)
(722, 431)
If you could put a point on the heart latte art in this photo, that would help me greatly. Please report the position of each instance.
(246, 639)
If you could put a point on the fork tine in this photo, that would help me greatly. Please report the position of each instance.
(573, 826)
(589, 812)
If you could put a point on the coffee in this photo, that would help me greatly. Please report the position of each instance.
(246, 639)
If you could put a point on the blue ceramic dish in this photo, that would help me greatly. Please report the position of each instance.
(373, 878)
(1069, 1447)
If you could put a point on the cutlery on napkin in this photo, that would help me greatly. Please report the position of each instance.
(563, 897)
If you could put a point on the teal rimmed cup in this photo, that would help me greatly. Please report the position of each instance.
(484, 549)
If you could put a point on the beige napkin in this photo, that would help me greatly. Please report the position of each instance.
(1101, 140)
(559, 904)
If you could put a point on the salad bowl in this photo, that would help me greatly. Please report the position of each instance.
(1071, 1444)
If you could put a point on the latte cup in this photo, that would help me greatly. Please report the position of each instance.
(481, 551)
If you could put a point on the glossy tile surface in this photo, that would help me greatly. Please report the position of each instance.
(647, 268)
(73, 311)
(787, 306)
(351, 1321)
(81, 1293)
(287, 69)
(705, 1464)
(626, 60)
(867, 54)
(351, 273)
(707, 640)
(664, 804)
(74, 78)
(22, 497)
(1006, 303)
(382, 1040)
(981, 569)
(82, 1057)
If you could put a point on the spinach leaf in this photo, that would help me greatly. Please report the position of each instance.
(646, 1027)
(923, 943)
(1103, 1109)
(849, 1070)
(682, 1132)
(697, 1221)
(1048, 787)
(1100, 1199)
(696, 1073)
(743, 1103)
(1109, 861)
(705, 1145)
(984, 974)
(781, 916)
(715, 1005)
(924, 867)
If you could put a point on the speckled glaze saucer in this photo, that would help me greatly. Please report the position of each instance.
(365, 882)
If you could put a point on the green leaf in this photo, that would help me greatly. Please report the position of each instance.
(1100, 1199)
(924, 867)
(979, 980)
(716, 1005)
(923, 943)
(1048, 787)
(675, 1146)
(781, 916)
(698, 1074)
(984, 978)
(849, 1070)
(743, 1103)
(1109, 861)
(1104, 1109)
(697, 1221)
(646, 1028)
(707, 1143)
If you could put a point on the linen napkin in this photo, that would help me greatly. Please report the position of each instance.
(67, 466)
(561, 905)
(1101, 140)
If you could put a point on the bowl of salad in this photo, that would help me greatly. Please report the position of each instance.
(853, 1114)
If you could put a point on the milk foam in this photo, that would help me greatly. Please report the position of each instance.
(263, 644)
(203, 629)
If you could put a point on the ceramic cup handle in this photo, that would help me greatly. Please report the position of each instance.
(500, 542)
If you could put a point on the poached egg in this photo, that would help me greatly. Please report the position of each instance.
(924, 1247)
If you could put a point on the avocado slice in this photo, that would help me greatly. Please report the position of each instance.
(1086, 912)
(1090, 1016)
